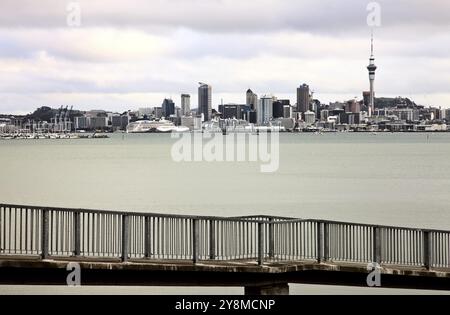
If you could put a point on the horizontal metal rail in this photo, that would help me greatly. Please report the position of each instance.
(59, 232)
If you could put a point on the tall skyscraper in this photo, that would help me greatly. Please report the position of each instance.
(168, 108)
(372, 68)
(303, 98)
(205, 101)
(185, 104)
(252, 99)
(265, 110)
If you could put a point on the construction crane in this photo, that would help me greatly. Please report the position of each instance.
(57, 118)
(64, 119)
(68, 118)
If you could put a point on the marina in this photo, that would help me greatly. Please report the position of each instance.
(56, 136)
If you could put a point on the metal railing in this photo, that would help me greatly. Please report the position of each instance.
(58, 232)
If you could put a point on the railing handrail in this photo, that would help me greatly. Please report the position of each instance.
(126, 213)
(360, 225)
(265, 216)
(284, 220)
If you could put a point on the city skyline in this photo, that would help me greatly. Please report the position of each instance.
(118, 59)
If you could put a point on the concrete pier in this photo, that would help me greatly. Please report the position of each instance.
(274, 289)
(266, 279)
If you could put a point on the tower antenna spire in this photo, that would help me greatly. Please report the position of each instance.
(371, 44)
(372, 68)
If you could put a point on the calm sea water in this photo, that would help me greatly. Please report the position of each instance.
(395, 179)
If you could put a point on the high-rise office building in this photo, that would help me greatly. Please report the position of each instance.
(205, 101)
(303, 98)
(168, 108)
(265, 110)
(278, 109)
(185, 104)
(251, 99)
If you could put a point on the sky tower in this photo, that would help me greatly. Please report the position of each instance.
(372, 68)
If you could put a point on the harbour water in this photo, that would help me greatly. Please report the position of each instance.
(393, 179)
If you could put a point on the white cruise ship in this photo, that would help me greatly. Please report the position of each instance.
(144, 126)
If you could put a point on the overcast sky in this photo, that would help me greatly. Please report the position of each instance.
(131, 54)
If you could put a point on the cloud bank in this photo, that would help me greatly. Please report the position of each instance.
(135, 53)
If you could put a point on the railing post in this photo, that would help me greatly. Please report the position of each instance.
(271, 239)
(427, 249)
(195, 240)
(326, 242)
(319, 242)
(2, 210)
(147, 240)
(45, 233)
(376, 245)
(260, 243)
(212, 240)
(77, 231)
(125, 237)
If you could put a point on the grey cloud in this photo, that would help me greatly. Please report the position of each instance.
(227, 15)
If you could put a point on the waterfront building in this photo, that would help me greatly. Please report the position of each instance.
(158, 112)
(324, 115)
(406, 114)
(145, 111)
(447, 115)
(353, 118)
(265, 110)
(310, 118)
(99, 122)
(185, 104)
(205, 101)
(252, 117)
(353, 107)
(303, 98)
(120, 122)
(287, 111)
(168, 107)
(238, 111)
(81, 123)
(251, 99)
(278, 109)
(442, 113)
